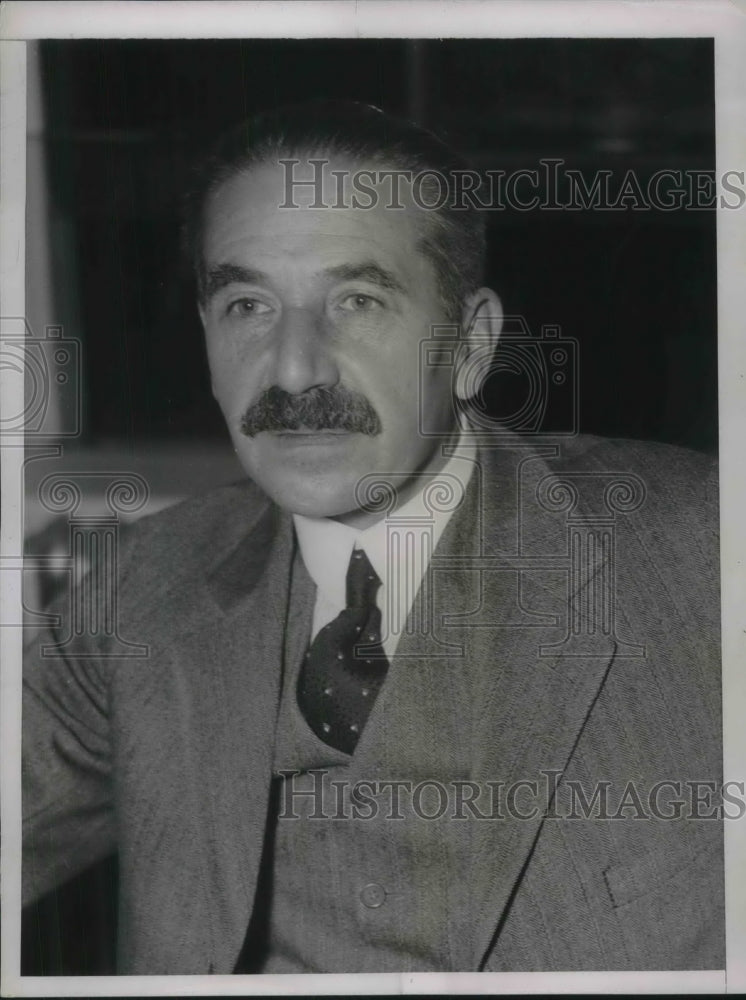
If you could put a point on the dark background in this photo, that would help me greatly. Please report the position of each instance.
(125, 119)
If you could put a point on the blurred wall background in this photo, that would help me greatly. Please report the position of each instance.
(125, 119)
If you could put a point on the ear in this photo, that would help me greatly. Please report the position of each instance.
(481, 323)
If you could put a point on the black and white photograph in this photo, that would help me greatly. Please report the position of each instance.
(372, 387)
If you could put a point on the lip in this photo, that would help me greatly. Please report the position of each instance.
(308, 432)
(310, 437)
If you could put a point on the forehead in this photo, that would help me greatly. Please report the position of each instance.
(301, 208)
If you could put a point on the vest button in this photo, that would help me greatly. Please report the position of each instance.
(372, 895)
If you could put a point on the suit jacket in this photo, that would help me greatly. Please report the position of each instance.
(591, 611)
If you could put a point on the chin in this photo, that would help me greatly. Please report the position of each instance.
(316, 499)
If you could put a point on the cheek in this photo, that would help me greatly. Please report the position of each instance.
(230, 374)
(392, 384)
(216, 356)
(221, 379)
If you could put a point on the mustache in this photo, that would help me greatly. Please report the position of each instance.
(325, 408)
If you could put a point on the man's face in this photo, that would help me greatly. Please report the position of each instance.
(337, 299)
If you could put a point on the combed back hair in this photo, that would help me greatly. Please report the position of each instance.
(453, 238)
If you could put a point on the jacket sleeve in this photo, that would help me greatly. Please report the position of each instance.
(67, 800)
(67, 784)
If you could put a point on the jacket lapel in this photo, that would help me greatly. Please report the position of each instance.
(238, 660)
(534, 713)
(529, 702)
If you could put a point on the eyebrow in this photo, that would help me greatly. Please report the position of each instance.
(367, 271)
(222, 275)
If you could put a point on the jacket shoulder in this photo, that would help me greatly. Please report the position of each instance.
(192, 535)
(679, 480)
(588, 450)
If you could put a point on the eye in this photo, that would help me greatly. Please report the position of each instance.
(358, 302)
(247, 307)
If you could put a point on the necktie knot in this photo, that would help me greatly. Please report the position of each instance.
(362, 581)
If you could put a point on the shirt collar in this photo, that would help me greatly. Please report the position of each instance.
(326, 545)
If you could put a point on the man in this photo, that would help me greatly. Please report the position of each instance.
(416, 697)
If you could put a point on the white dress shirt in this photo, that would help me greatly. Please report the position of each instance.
(398, 545)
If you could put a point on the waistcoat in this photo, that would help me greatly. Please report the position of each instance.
(364, 874)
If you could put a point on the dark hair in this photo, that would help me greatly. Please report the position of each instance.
(455, 241)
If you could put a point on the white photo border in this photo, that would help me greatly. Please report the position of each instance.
(22, 22)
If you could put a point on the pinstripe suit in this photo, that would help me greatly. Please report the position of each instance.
(168, 758)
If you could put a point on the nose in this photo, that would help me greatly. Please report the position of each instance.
(302, 359)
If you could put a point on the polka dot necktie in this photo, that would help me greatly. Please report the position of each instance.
(345, 665)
